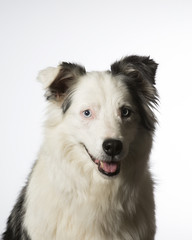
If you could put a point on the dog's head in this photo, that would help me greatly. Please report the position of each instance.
(102, 112)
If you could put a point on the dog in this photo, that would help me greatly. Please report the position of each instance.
(92, 179)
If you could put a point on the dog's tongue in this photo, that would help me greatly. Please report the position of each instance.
(109, 167)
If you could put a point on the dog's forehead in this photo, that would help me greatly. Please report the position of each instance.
(100, 86)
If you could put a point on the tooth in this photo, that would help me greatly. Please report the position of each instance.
(101, 164)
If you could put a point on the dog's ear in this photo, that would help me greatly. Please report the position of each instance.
(142, 68)
(139, 76)
(58, 80)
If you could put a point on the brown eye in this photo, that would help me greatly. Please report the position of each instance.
(125, 112)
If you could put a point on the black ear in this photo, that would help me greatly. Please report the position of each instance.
(142, 66)
(58, 80)
(139, 75)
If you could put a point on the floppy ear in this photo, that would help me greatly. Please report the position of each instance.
(139, 76)
(58, 80)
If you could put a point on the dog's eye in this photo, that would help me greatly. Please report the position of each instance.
(125, 112)
(87, 113)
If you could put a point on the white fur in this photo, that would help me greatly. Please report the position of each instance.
(46, 76)
(67, 197)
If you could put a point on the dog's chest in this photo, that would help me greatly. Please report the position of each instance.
(88, 223)
(74, 219)
(93, 214)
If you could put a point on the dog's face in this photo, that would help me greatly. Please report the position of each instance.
(104, 119)
(105, 110)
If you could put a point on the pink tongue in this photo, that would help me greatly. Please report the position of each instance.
(109, 167)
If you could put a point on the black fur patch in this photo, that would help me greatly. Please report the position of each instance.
(139, 76)
(15, 229)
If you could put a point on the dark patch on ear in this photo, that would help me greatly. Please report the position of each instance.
(139, 76)
(66, 77)
(143, 65)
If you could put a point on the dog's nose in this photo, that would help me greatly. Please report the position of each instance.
(112, 147)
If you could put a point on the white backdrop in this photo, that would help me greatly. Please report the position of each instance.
(39, 33)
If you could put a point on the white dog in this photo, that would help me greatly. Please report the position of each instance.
(91, 180)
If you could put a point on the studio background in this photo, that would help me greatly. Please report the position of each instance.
(35, 34)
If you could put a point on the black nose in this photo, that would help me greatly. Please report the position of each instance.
(112, 147)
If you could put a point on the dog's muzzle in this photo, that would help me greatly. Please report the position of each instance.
(111, 166)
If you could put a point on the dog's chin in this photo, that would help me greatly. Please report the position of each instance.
(107, 169)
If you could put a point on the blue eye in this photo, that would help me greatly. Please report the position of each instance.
(125, 112)
(87, 113)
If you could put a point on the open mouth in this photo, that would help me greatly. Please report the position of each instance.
(107, 168)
